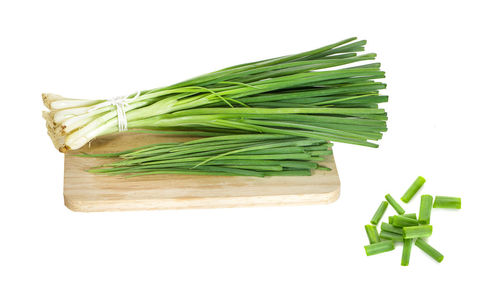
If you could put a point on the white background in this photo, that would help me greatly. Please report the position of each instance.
(442, 66)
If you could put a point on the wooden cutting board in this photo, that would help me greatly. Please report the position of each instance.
(88, 192)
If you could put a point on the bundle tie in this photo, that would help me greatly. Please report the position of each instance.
(120, 103)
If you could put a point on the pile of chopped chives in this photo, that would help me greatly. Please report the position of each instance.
(407, 228)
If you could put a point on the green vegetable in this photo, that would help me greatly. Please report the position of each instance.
(447, 202)
(371, 232)
(406, 228)
(258, 155)
(316, 94)
(391, 228)
(436, 255)
(424, 215)
(379, 213)
(394, 204)
(417, 231)
(413, 189)
(405, 258)
(387, 235)
(402, 221)
(411, 216)
(379, 247)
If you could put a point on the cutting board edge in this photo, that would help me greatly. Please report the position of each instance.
(204, 203)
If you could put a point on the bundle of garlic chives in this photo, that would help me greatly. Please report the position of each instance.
(258, 155)
(310, 94)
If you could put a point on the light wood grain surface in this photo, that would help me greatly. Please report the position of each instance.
(88, 192)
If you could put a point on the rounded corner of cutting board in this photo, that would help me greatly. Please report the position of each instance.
(73, 205)
(334, 196)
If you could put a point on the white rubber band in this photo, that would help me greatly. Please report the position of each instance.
(120, 103)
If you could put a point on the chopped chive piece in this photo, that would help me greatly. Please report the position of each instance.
(390, 228)
(394, 204)
(436, 255)
(387, 235)
(371, 232)
(405, 258)
(447, 202)
(379, 213)
(413, 189)
(379, 247)
(402, 221)
(424, 214)
(417, 231)
(411, 216)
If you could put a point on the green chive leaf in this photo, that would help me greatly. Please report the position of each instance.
(424, 214)
(379, 213)
(394, 204)
(417, 231)
(447, 202)
(413, 189)
(372, 233)
(379, 247)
